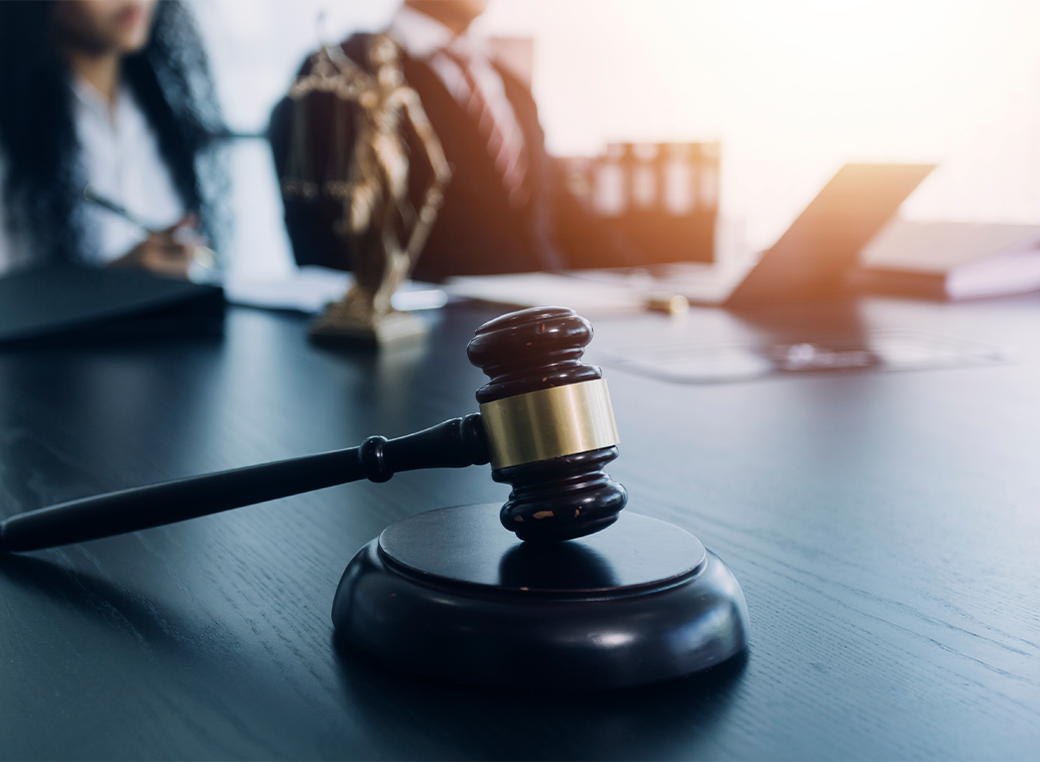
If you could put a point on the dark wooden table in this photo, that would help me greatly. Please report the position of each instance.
(885, 528)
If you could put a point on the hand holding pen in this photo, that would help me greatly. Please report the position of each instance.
(172, 251)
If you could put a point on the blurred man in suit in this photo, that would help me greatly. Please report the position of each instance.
(506, 208)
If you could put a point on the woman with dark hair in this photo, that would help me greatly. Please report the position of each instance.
(114, 96)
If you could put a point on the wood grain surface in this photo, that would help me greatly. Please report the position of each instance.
(885, 528)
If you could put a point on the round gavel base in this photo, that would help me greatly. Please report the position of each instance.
(451, 594)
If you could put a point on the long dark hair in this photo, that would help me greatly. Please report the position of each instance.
(171, 83)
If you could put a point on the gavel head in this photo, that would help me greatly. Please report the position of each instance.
(549, 423)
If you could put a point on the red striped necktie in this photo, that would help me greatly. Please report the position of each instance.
(498, 127)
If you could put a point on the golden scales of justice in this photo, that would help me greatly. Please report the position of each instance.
(382, 233)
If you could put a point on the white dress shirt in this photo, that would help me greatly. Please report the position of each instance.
(120, 159)
(424, 38)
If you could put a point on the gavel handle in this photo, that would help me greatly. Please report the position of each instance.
(456, 443)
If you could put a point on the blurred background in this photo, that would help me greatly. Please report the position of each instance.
(791, 90)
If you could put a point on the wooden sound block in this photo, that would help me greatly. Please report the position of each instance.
(449, 594)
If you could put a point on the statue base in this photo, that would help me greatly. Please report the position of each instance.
(335, 328)
(451, 594)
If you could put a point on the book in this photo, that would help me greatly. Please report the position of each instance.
(75, 304)
(950, 260)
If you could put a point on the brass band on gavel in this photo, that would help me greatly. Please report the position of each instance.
(549, 423)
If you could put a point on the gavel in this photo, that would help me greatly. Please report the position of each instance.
(545, 424)
(445, 593)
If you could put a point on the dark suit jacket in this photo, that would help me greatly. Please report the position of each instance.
(476, 231)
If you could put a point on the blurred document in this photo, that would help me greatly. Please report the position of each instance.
(697, 363)
(544, 289)
(309, 289)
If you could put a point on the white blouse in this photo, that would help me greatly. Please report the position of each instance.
(120, 157)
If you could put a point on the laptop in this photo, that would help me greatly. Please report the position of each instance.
(810, 259)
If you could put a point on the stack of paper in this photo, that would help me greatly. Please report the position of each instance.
(309, 289)
(543, 289)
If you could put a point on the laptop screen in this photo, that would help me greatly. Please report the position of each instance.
(812, 257)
